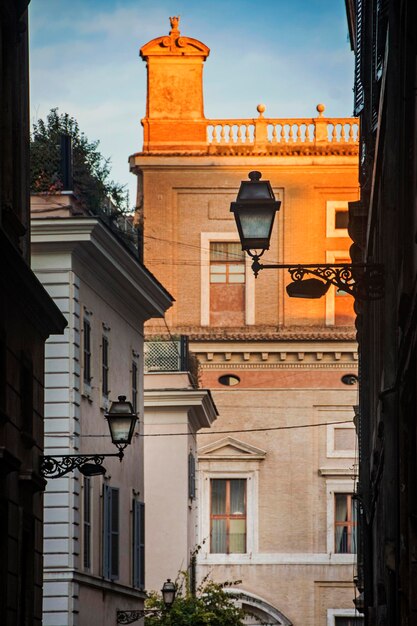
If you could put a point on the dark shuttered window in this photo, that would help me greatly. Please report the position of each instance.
(110, 533)
(138, 544)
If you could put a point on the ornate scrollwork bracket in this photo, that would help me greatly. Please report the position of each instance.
(57, 466)
(128, 617)
(363, 281)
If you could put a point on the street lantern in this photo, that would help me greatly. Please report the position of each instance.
(122, 421)
(254, 212)
(168, 593)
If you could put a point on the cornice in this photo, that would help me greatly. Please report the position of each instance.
(198, 402)
(267, 334)
(101, 253)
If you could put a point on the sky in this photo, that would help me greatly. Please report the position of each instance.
(287, 54)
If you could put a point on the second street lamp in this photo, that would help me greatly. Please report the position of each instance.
(254, 212)
(121, 420)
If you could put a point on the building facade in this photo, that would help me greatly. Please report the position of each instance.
(27, 317)
(175, 411)
(383, 226)
(94, 525)
(276, 474)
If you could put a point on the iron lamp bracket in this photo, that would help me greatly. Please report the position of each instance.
(363, 281)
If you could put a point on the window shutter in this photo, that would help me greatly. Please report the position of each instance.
(114, 570)
(138, 544)
(110, 532)
(106, 530)
(358, 87)
(191, 476)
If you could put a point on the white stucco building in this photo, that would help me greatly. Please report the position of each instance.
(93, 530)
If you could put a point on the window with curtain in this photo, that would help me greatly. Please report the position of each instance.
(345, 523)
(110, 532)
(227, 284)
(228, 516)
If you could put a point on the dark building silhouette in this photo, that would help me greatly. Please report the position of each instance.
(383, 226)
(27, 317)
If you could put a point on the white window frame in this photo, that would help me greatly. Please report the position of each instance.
(206, 239)
(341, 454)
(333, 613)
(333, 256)
(331, 207)
(252, 525)
(344, 485)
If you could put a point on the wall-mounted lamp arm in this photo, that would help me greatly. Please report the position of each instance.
(363, 281)
(57, 466)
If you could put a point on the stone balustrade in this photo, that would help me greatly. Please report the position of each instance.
(296, 131)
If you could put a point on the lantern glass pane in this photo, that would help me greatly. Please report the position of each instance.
(121, 427)
(256, 225)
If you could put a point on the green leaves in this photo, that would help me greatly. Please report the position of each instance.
(211, 606)
(91, 171)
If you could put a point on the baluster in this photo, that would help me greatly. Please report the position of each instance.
(351, 135)
(283, 137)
(290, 134)
(334, 133)
(222, 134)
(299, 139)
(274, 133)
(239, 134)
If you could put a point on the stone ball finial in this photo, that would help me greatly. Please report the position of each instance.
(261, 109)
(320, 109)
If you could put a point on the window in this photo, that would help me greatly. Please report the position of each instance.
(191, 476)
(87, 523)
(209, 310)
(135, 386)
(339, 304)
(86, 349)
(337, 218)
(138, 544)
(228, 516)
(229, 380)
(227, 284)
(341, 219)
(344, 617)
(110, 532)
(345, 523)
(105, 366)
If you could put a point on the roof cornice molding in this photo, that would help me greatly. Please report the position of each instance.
(98, 250)
(199, 403)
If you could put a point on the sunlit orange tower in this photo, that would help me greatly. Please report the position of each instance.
(274, 490)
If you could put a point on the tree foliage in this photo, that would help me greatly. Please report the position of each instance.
(211, 605)
(91, 171)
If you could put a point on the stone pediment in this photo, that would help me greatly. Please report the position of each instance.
(231, 449)
(180, 46)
